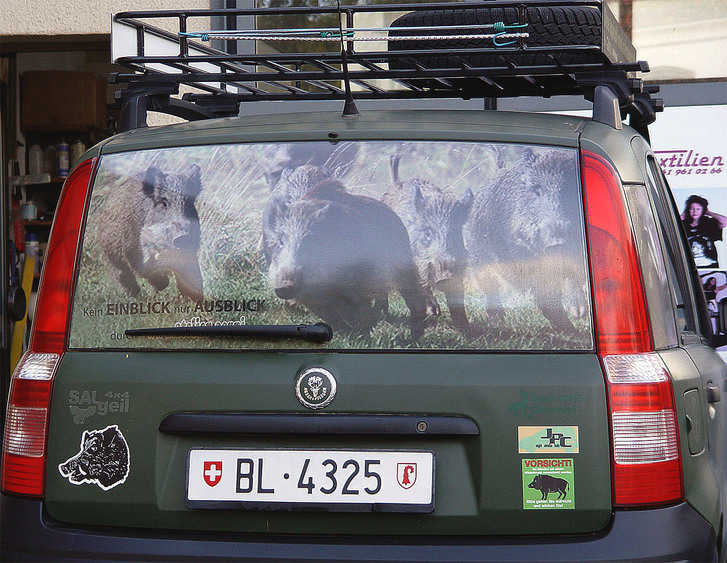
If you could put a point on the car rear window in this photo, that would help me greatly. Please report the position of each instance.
(396, 245)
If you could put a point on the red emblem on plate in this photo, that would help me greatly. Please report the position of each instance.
(406, 474)
(212, 472)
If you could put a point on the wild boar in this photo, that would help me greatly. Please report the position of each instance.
(335, 160)
(434, 218)
(307, 179)
(547, 484)
(340, 258)
(150, 228)
(103, 459)
(520, 230)
(294, 184)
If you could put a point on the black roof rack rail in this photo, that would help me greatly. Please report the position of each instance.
(605, 70)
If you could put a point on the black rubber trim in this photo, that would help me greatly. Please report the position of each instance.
(349, 424)
(676, 533)
(318, 332)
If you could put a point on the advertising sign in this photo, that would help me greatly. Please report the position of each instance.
(691, 148)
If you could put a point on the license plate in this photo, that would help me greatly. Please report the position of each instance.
(337, 480)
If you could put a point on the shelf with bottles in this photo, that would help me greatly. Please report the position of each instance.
(42, 181)
(51, 157)
(38, 223)
(34, 207)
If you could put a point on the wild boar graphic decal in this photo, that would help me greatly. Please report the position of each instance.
(103, 459)
(547, 484)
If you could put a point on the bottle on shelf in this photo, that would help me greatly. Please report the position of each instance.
(50, 160)
(77, 150)
(35, 160)
(29, 211)
(32, 248)
(63, 159)
(20, 156)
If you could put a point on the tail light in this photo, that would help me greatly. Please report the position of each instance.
(26, 421)
(644, 434)
(646, 459)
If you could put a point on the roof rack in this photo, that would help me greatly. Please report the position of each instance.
(161, 60)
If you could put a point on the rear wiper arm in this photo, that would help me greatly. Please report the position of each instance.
(319, 332)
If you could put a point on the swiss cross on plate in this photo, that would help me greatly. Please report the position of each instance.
(212, 472)
(406, 474)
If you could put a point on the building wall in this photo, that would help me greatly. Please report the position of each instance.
(54, 18)
(681, 40)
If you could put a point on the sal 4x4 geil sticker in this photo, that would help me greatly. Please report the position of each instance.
(86, 403)
(548, 484)
(103, 459)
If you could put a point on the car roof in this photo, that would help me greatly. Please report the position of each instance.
(375, 124)
(461, 125)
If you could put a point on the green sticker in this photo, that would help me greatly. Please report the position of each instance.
(548, 484)
(547, 439)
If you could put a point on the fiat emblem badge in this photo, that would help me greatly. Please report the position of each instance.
(315, 388)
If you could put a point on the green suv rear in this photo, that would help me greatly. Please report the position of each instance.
(406, 335)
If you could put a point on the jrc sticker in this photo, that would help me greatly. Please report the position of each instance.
(547, 439)
(548, 484)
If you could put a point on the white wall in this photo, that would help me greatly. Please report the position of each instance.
(75, 17)
(681, 39)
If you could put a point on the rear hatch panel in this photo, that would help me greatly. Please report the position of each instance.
(479, 479)
(488, 235)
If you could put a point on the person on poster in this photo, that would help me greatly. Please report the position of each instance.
(703, 228)
(711, 289)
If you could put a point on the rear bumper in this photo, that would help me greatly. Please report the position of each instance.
(675, 533)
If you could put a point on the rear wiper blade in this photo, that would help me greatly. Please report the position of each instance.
(319, 332)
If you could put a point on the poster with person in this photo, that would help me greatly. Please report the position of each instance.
(703, 227)
(714, 284)
(691, 148)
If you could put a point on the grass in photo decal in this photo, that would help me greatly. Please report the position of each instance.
(192, 236)
(548, 484)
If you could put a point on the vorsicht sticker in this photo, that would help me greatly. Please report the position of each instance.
(548, 484)
(103, 459)
(547, 439)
